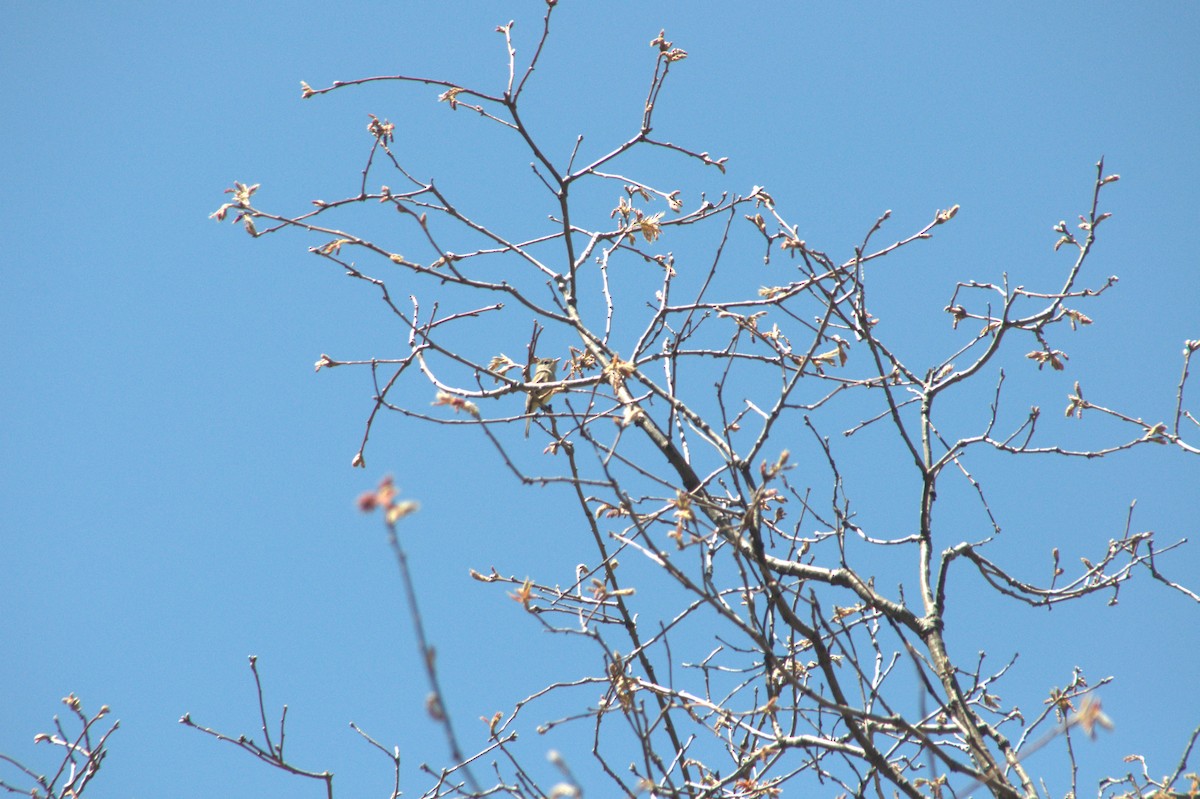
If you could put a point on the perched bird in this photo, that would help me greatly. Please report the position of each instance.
(545, 372)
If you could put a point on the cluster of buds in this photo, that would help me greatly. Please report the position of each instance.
(385, 497)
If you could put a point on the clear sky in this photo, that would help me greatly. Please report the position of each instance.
(175, 481)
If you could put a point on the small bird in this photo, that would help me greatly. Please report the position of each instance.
(545, 372)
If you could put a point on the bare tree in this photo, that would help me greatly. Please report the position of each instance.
(77, 756)
(682, 403)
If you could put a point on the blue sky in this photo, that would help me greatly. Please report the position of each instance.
(175, 481)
